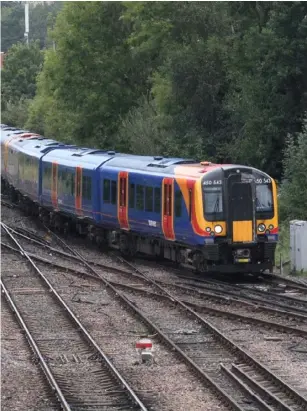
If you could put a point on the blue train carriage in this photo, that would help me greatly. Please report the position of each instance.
(143, 203)
(27, 154)
(10, 152)
(4, 138)
(8, 136)
(70, 186)
(212, 216)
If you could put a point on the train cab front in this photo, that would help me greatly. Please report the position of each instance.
(240, 209)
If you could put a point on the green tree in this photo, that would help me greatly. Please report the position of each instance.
(88, 82)
(12, 23)
(143, 132)
(185, 42)
(293, 195)
(41, 17)
(16, 113)
(267, 71)
(21, 66)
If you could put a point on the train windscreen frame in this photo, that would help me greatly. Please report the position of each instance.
(213, 196)
(213, 193)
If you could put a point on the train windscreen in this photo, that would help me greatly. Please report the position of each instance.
(214, 192)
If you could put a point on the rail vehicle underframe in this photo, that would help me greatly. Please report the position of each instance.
(219, 257)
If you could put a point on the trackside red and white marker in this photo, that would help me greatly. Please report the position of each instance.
(143, 343)
(144, 347)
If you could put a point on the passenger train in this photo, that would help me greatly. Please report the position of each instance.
(213, 217)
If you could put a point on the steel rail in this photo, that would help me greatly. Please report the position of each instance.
(222, 337)
(63, 253)
(243, 287)
(218, 334)
(35, 348)
(271, 277)
(248, 358)
(244, 387)
(221, 313)
(203, 375)
(202, 285)
(260, 389)
(238, 293)
(112, 368)
(229, 314)
(236, 300)
(291, 282)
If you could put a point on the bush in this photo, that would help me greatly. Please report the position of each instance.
(293, 193)
(16, 113)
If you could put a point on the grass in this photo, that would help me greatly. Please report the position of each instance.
(283, 245)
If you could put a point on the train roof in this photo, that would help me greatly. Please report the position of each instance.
(35, 146)
(91, 158)
(148, 164)
(74, 156)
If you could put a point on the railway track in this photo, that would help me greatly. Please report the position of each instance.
(276, 282)
(283, 284)
(78, 371)
(243, 291)
(201, 377)
(214, 346)
(282, 320)
(295, 283)
(272, 399)
(18, 366)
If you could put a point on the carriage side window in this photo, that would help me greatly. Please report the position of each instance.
(27, 173)
(21, 165)
(66, 182)
(213, 203)
(149, 199)
(139, 197)
(47, 178)
(178, 203)
(60, 187)
(70, 182)
(106, 191)
(86, 187)
(113, 192)
(35, 170)
(157, 199)
(131, 195)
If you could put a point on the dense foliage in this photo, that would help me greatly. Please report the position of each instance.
(225, 81)
(19, 82)
(41, 17)
(293, 200)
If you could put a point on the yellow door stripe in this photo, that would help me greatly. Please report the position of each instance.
(242, 231)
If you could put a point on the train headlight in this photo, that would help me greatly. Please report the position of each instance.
(208, 229)
(261, 228)
(218, 229)
(271, 227)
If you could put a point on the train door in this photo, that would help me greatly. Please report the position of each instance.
(168, 208)
(54, 185)
(241, 216)
(122, 199)
(78, 190)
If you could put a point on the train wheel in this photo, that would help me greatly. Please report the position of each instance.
(199, 262)
(127, 245)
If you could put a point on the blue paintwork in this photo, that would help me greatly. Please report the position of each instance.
(100, 165)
